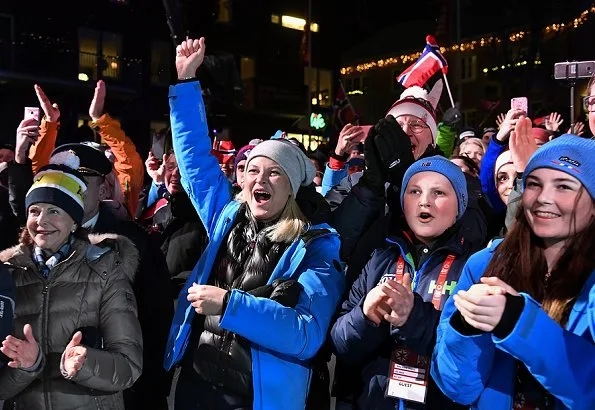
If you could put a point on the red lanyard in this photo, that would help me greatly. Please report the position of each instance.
(437, 296)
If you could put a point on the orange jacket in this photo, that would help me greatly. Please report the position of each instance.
(40, 152)
(129, 166)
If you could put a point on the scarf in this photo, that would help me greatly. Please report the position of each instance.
(46, 264)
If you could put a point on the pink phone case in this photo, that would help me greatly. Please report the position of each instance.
(32, 112)
(519, 103)
(365, 129)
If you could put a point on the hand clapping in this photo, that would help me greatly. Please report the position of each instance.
(483, 304)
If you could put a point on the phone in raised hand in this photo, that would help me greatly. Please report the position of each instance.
(32, 112)
(520, 103)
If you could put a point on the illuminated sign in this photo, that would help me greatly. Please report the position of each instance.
(317, 121)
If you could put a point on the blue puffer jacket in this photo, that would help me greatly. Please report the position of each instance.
(359, 341)
(282, 339)
(479, 370)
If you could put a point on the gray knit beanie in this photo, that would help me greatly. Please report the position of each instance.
(290, 158)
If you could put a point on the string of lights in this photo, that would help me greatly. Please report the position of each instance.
(470, 45)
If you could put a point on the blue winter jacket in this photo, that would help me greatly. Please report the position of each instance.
(282, 339)
(331, 178)
(480, 370)
(359, 341)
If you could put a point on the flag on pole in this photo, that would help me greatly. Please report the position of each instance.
(343, 111)
(429, 63)
(304, 46)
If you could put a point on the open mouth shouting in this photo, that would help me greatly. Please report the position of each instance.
(425, 217)
(261, 196)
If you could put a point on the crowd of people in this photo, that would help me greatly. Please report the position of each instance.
(440, 267)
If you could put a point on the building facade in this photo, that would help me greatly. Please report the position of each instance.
(486, 68)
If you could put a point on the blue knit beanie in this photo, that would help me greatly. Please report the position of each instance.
(570, 154)
(444, 167)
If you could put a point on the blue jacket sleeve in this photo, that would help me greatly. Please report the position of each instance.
(154, 194)
(353, 335)
(486, 173)
(331, 178)
(562, 361)
(202, 178)
(461, 365)
(298, 332)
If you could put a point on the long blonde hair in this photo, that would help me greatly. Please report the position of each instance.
(291, 224)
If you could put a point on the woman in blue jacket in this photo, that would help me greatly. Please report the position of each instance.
(520, 330)
(395, 303)
(257, 306)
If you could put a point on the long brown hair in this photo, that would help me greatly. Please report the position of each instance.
(520, 262)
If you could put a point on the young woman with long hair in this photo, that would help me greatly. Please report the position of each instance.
(519, 332)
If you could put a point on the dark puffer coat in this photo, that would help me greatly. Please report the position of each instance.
(90, 288)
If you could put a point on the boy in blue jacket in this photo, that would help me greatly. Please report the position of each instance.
(394, 306)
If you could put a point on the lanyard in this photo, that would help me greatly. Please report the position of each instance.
(437, 296)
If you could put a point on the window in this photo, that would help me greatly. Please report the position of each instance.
(99, 54)
(320, 85)
(224, 11)
(161, 60)
(294, 23)
(348, 84)
(468, 68)
(247, 68)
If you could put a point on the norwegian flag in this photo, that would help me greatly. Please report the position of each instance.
(429, 63)
(343, 111)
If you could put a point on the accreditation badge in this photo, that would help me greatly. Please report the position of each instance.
(408, 375)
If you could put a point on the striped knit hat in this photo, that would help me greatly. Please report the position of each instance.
(59, 183)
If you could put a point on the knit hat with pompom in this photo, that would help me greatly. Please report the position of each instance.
(59, 183)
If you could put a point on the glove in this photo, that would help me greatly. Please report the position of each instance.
(374, 176)
(284, 291)
(394, 149)
(452, 116)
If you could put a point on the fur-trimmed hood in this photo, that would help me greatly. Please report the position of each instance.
(92, 245)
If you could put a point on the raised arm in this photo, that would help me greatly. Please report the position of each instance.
(207, 187)
(128, 165)
(41, 150)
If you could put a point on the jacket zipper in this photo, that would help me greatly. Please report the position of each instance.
(44, 324)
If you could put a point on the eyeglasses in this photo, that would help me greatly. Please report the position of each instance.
(415, 126)
(589, 103)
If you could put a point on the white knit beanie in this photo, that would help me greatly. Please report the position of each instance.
(290, 158)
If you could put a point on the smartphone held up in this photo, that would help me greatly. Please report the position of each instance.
(31, 112)
(520, 103)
